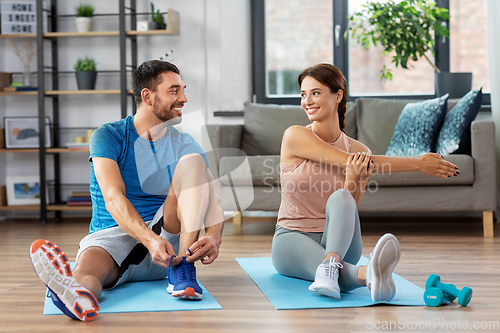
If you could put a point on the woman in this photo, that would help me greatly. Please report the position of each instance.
(323, 175)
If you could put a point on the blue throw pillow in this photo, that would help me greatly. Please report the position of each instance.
(454, 136)
(418, 127)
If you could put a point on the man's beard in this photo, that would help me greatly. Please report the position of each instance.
(165, 116)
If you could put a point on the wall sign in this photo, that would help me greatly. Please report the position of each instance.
(19, 17)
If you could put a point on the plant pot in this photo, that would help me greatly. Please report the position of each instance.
(83, 24)
(86, 79)
(455, 84)
(157, 26)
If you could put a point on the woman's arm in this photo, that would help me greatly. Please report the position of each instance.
(300, 143)
(430, 164)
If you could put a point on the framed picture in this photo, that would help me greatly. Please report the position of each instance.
(22, 132)
(23, 190)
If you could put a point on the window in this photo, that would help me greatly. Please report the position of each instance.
(365, 66)
(298, 34)
(468, 44)
(290, 35)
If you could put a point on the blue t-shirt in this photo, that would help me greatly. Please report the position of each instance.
(146, 167)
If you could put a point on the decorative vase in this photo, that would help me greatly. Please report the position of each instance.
(455, 84)
(27, 76)
(158, 26)
(83, 24)
(86, 79)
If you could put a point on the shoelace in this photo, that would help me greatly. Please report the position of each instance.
(332, 267)
(186, 272)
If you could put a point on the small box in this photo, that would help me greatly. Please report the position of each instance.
(3, 196)
(2, 138)
(142, 25)
(5, 79)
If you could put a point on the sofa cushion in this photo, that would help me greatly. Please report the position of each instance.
(376, 119)
(418, 127)
(264, 170)
(454, 136)
(465, 164)
(264, 125)
(350, 121)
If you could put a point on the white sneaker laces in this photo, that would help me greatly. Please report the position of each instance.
(332, 267)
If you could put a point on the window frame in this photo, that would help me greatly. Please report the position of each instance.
(340, 55)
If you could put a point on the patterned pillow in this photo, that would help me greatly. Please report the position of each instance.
(418, 127)
(454, 136)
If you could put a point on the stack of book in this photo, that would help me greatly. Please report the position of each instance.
(18, 88)
(80, 199)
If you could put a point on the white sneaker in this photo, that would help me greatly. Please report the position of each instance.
(326, 279)
(52, 266)
(382, 262)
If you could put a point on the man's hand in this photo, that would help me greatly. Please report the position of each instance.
(205, 249)
(161, 251)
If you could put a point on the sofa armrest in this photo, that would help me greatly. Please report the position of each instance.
(483, 152)
(225, 141)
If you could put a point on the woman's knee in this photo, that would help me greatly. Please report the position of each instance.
(341, 197)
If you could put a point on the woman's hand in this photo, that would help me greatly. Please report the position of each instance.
(435, 165)
(358, 166)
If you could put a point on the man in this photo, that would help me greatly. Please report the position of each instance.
(151, 194)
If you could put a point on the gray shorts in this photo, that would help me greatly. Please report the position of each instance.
(132, 257)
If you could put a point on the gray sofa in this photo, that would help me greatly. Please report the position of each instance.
(247, 162)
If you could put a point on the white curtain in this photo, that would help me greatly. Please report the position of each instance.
(493, 7)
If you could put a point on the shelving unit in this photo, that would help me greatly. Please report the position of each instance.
(54, 93)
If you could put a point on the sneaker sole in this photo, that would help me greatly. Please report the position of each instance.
(324, 291)
(382, 284)
(51, 265)
(187, 294)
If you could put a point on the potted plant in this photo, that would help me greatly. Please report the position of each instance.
(157, 21)
(84, 13)
(405, 28)
(86, 74)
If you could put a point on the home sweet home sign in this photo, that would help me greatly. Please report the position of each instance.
(19, 17)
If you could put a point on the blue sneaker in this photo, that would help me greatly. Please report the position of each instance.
(52, 266)
(182, 281)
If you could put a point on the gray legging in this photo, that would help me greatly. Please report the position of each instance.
(298, 254)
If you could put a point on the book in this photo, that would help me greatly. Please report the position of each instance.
(80, 194)
(81, 199)
(16, 89)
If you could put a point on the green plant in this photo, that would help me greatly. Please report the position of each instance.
(85, 64)
(405, 27)
(84, 10)
(156, 17)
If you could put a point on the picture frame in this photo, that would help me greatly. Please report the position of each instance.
(22, 190)
(22, 132)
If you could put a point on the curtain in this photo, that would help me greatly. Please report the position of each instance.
(493, 7)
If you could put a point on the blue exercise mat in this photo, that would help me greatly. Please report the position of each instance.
(146, 296)
(289, 293)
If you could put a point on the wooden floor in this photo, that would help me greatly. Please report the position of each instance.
(453, 248)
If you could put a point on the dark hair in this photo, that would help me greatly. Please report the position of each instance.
(333, 78)
(147, 75)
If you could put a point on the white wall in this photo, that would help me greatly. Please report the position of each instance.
(493, 55)
(213, 52)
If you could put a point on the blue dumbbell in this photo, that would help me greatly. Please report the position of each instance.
(434, 281)
(434, 297)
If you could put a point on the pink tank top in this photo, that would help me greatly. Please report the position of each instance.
(305, 188)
